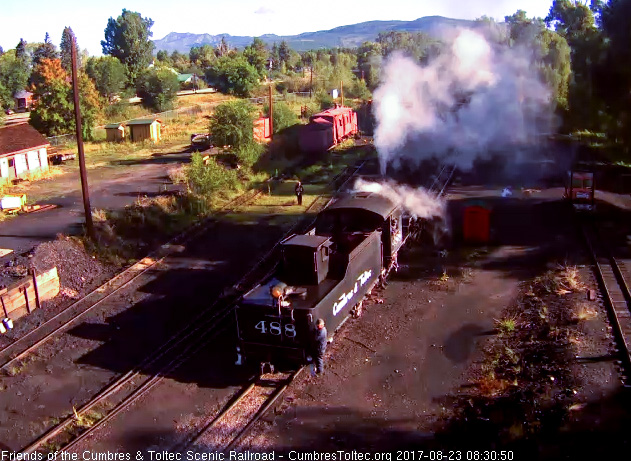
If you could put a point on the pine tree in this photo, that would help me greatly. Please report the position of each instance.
(20, 51)
(45, 51)
(67, 37)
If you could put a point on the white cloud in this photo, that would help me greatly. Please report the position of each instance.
(264, 10)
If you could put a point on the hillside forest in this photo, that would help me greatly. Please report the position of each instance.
(582, 52)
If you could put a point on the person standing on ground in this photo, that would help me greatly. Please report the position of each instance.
(299, 190)
(320, 342)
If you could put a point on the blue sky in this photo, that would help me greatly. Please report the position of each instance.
(33, 18)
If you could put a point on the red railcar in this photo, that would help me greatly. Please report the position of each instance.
(328, 128)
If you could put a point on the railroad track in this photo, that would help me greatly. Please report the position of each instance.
(127, 389)
(226, 429)
(613, 279)
(25, 345)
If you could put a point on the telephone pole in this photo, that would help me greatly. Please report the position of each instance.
(342, 91)
(82, 170)
(271, 112)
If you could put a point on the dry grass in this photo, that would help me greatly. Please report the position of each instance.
(14, 370)
(99, 216)
(201, 98)
(87, 420)
(177, 174)
(491, 386)
(561, 281)
(51, 447)
(23, 186)
(568, 278)
(584, 312)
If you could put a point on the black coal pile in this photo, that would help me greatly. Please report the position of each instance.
(77, 269)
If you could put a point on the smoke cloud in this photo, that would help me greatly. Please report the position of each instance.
(475, 99)
(420, 203)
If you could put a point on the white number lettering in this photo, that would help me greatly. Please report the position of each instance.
(274, 328)
(290, 330)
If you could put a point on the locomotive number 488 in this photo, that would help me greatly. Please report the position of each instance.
(276, 329)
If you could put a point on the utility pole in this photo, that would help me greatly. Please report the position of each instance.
(82, 169)
(342, 91)
(271, 112)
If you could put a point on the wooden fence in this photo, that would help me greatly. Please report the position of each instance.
(26, 295)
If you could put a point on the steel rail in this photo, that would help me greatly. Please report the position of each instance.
(196, 325)
(616, 294)
(102, 294)
(281, 387)
(148, 385)
(263, 410)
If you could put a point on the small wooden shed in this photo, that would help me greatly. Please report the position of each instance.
(144, 129)
(114, 132)
(23, 101)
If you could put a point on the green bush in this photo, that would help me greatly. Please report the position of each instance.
(360, 90)
(232, 124)
(207, 178)
(324, 99)
(283, 116)
(158, 89)
(310, 109)
(233, 75)
(249, 154)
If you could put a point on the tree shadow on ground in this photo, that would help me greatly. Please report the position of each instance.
(599, 430)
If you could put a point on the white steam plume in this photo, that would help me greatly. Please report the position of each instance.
(418, 202)
(474, 99)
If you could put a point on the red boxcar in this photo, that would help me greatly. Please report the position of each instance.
(328, 128)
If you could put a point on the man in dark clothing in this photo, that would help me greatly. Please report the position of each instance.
(299, 190)
(319, 346)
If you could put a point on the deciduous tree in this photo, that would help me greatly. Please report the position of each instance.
(108, 74)
(14, 74)
(54, 109)
(232, 124)
(614, 75)
(233, 76)
(163, 56)
(202, 56)
(257, 55)
(158, 88)
(127, 38)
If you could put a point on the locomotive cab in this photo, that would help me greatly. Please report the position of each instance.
(305, 259)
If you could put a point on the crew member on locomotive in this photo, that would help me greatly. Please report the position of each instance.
(299, 191)
(319, 346)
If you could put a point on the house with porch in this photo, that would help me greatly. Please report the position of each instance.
(23, 151)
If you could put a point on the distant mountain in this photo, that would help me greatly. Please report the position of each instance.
(344, 36)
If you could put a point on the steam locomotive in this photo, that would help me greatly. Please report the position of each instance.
(328, 128)
(325, 274)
